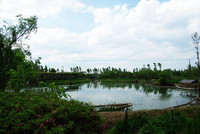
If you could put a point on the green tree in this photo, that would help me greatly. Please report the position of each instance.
(88, 70)
(41, 68)
(189, 69)
(165, 76)
(196, 38)
(13, 53)
(26, 71)
(148, 65)
(52, 70)
(160, 66)
(155, 68)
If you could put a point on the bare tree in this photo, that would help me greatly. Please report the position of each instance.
(195, 39)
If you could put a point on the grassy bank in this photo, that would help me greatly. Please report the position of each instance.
(149, 121)
(67, 82)
(122, 81)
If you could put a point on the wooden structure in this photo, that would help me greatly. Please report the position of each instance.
(115, 106)
(188, 81)
(188, 84)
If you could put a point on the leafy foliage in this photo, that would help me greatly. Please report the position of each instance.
(164, 77)
(46, 113)
(134, 123)
(16, 64)
(164, 124)
(192, 125)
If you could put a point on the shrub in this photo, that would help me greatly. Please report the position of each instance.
(164, 77)
(192, 125)
(142, 124)
(46, 113)
(164, 124)
(134, 123)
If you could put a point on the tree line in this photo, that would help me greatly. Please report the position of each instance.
(146, 72)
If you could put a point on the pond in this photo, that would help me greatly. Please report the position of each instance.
(142, 97)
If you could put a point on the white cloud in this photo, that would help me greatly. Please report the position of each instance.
(40, 8)
(150, 31)
(122, 37)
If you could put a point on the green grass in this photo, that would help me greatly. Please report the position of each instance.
(66, 82)
(134, 123)
(192, 125)
(162, 124)
(118, 80)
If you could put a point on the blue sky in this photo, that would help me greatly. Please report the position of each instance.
(111, 3)
(118, 33)
(83, 22)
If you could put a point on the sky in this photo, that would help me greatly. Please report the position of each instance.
(118, 33)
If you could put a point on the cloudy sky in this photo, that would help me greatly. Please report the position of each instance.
(116, 33)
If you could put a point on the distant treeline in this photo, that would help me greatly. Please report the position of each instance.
(61, 76)
(146, 72)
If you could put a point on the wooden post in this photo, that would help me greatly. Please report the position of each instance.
(126, 118)
(172, 110)
(198, 88)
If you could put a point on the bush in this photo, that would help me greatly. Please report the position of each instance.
(164, 124)
(142, 124)
(134, 123)
(164, 77)
(192, 125)
(46, 113)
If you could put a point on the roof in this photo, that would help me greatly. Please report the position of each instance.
(187, 81)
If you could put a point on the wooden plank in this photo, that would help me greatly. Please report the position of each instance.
(115, 105)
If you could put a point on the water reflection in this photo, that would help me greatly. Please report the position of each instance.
(141, 96)
(164, 92)
(116, 85)
(136, 86)
(72, 88)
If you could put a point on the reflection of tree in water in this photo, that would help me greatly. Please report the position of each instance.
(89, 85)
(164, 92)
(73, 88)
(130, 86)
(93, 84)
(136, 86)
(148, 89)
(116, 85)
(190, 94)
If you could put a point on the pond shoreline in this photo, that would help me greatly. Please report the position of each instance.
(142, 96)
(113, 117)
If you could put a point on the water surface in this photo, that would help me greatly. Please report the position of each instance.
(141, 96)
